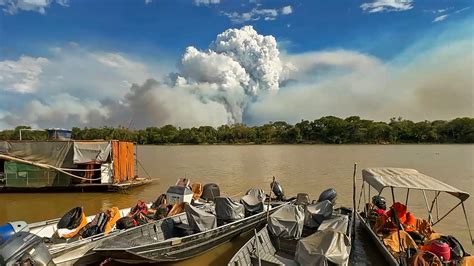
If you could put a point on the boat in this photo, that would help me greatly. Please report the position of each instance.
(191, 233)
(63, 164)
(303, 233)
(78, 249)
(67, 252)
(402, 238)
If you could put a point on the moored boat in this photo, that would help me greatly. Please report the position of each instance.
(399, 235)
(63, 164)
(303, 233)
(71, 239)
(191, 233)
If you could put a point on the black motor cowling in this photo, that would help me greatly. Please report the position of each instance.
(25, 249)
(277, 189)
(328, 194)
(210, 191)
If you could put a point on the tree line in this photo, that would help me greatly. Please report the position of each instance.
(328, 129)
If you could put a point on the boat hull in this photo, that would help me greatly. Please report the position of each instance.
(262, 245)
(187, 247)
(380, 246)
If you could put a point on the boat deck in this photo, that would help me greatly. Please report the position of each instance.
(85, 187)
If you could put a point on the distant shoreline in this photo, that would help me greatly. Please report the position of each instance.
(324, 130)
(300, 144)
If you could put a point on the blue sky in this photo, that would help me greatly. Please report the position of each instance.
(150, 37)
(168, 26)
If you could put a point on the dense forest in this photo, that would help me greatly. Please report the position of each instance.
(327, 129)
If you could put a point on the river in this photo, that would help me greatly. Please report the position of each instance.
(299, 168)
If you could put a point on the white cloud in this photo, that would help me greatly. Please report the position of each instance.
(242, 77)
(147, 2)
(445, 16)
(23, 75)
(387, 5)
(13, 6)
(286, 10)
(212, 87)
(440, 18)
(434, 85)
(256, 14)
(77, 71)
(206, 2)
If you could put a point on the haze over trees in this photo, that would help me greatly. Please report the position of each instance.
(328, 129)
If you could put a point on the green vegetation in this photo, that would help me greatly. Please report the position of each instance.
(327, 129)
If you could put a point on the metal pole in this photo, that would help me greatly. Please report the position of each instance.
(256, 247)
(270, 198)
(354, 201)
(434, 200)
(398, 228)
(20, 133)
(360, 195)
(467, 221)
(370, 199)
(406, 200)
(444, 216)
(430, 219)
(365, 203)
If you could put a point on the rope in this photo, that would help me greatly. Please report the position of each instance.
(138, 161)
(79, 170)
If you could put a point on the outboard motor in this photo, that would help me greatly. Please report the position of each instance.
(25, 248)
(210, 191)
(277, 189)
(9, 229)
(328, 194)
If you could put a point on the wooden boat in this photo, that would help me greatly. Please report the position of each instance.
(69, 165)
(176, 238)
(379, 179)
(327, 240)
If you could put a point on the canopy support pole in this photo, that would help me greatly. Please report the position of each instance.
(406, 200)
(370, 199)
(467, 221)
(430, 219)
(366, 210)
(360, 195)
(444, 216)
(437, 210)
(435, 200)
(398, 228)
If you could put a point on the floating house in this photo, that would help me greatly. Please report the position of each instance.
(61, 163)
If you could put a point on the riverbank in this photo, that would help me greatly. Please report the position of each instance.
(325, 130)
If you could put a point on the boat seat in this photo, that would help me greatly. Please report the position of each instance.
(252, 205)
(183, 229)
(228, 210)
(199, 220)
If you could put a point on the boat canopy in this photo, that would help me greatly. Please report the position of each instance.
(380, 178)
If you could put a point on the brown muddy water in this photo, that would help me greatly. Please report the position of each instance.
(299, 168)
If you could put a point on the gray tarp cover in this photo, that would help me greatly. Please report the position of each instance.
(87, 152)
(252, 204)
(199, 220)
(337, 222)
(323, 247)
(316, 213)
(55, 153)
(227, 209)
(379, 178)
(257, 192)
(287, 222)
